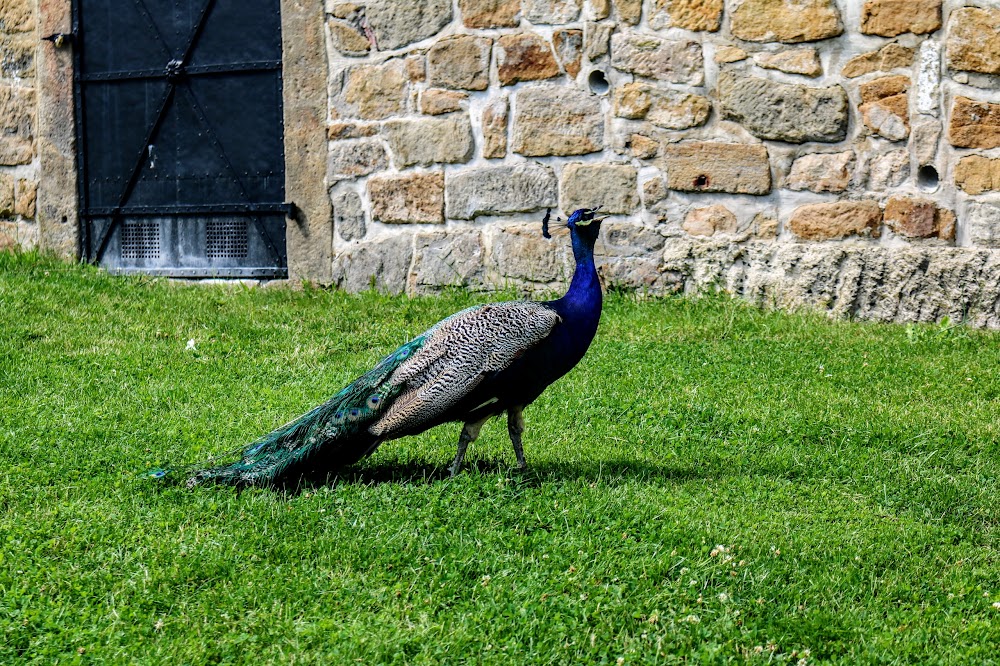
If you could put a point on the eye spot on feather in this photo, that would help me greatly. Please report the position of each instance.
(403, 354)
(353, 414)
(339, 417)
(374, 401)
(254, 449)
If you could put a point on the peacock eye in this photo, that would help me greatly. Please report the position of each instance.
(374, 401)
(338, 417)
(403, 354)
(353, 414)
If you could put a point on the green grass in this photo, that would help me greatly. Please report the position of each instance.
(713, 483)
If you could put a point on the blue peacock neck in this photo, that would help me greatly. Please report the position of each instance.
(581, 306)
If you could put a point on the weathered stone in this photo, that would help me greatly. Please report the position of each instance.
(648, 55)
(17, 56)
(887, 58)
(654, 191)
(17, 16)
(17, 124)
(799, 61)
(630, 256)
(569, 50)
(381, 264)
(889, 170)
(643, 147)
(974, 124)
(784, 112)
(551, 11)
(25, 194)
(919, 218)
(346, 10)
(416, 68)
(460, 61)
(524, 56)
(629, 11)
(717, 167)
(726, 54)
(426, 141)
(929, 78)
(983, 223)
(829, 221)
(976, 174)
(600, 9)
(6, 195)
(889, 18)
(18, 235)
(495, 128)
(925, 140)
(687, 14)
(348, 215)
(490, 13)
(765, 226)
(375, 92)
(447, 259)
(596, 38)
(670, 109)
(885, 106)
(974, 40)
(789, 21)
(821, 172)
(416, 198)
(337, 131)
(520, 253)
(499, 190)
(347, 38)
(610, 186)
(350, 159)
(709, 221)
(555, 120)
(397, 23)
(435, 101)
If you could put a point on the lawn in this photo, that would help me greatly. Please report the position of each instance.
(714, 483)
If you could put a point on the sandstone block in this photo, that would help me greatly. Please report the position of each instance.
(520, 253)
(524, 56)
(425, 141)
(889, 18)
(18, 235)
(651, 56)
(687, 14)
(551, 11)
(416, 68)
(17, 124)
(670, 109)
(821, 172)
(613, 187)
(784, 112)
(974, 40)
(717, 167)
(25, 193)
(919, 218)
(490, 13)
(596, 38)
(600, 9)
(17, 16)
(709, 221)
(629, 11)
(495, 128)
(569, 50)
(381, 264)
(337, 131)
(799, 61)
(17, 56)
(829, 221)
(435, 101)
(397, 24)
(885, 106)
(925, 140)
(887, 58)
(499, 190)
(983, 223)
(889, 170)
(446, 259)
(654, 191)
(347, 38)
(374, 92)
(976, 174)
(765, 226)
(631, 257)
(348, 215)
(411, 198)
(887, 86)
(460, 61)
(974, 124)
(555, 120)
(789, 21)
(6, 195)
(643, 147)
(726, 54)
(350, 159)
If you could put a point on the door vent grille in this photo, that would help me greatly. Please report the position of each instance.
(140, 240)
(226, 239)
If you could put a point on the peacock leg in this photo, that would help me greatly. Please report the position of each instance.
(470, 432)
(515, 426)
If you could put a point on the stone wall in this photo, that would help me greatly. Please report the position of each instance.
(19, 162)
(837, 153)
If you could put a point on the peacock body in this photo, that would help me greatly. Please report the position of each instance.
(475, 364)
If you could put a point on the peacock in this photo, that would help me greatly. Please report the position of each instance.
(471, 366)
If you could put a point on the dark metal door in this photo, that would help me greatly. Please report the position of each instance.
(180, 136)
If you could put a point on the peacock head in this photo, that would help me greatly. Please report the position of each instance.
(584, 223)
